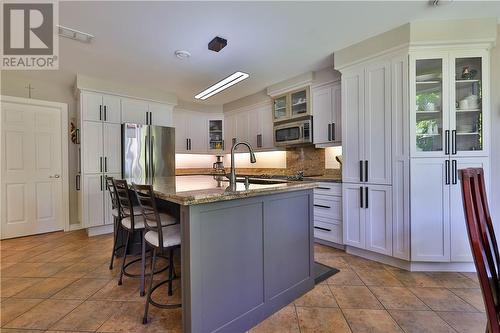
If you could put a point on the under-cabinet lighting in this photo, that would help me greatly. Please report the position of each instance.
(222, 85)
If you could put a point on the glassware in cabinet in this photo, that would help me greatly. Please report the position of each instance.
(280, 107)
(215, 134)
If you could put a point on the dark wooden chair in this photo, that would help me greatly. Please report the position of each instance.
(483, 242)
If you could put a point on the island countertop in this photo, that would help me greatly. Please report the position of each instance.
(193, 190)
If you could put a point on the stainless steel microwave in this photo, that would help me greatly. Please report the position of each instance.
(293, 132)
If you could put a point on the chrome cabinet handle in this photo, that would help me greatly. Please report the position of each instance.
(322, 206)
(55, 176)
(324, 229)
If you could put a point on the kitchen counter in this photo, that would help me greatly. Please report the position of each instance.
(327, 179)
(200, 189)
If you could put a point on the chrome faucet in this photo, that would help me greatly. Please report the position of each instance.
(232, 175)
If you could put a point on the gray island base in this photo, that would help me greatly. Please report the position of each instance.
(242, 258)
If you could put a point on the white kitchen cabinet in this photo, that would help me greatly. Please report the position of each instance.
(378, 218)
(460, 246)
(92, 134)
(353, 215)
(181, 131)
(100, 107)
(260, 127)
(135, 111)
(242, 126)
(93, 199)
(191, 132)
(353, 110)
(326, 105)
(108, 206)
(430, 213)
(267, 131)
(328, 212)
(160, 114)
(229, 131)
(112, 148)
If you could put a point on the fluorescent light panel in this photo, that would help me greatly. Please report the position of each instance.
(222, 85)
(74, 34)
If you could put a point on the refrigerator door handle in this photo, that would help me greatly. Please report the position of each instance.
(146, 161)
(152, 164)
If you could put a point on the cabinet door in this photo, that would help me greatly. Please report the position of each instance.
(216, 133)
(112, 135)
(377, 126)
(161, 114)
(242, 126)
(91, 106)
(92, 146)
(267, 132)
(134, 111)
(181, 135)
(93, 206)
(336, 112)
(229, 131)
(112, 109)
(378, 201)
(353, 215)
(108, 207)
(430, 202)
(198, 132)
(255, 128)
(322, 112)
(353, 124)
(460, 247)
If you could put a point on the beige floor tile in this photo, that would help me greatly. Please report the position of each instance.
(465, 322)
(440, 299)
(471, 275)
(361, 263)
(128, 318)
(81, 289)
(45, 288)
(15, 330)
(421, 322)
(345, 277)
(320, 296)
(471, 296)
(77, 270)
(461, 282)
(12, 308)
(398, 298)
(355, 297)
(44, 314)
(321, 320)
(11, 286)
(371, 321)
(88, 316)
(415, 279)
(378, 277)
(128, 291)
(331, 260)
(284, 320)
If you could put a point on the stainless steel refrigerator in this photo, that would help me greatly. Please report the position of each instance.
(148, 152)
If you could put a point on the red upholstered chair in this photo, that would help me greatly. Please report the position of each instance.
(483, 242)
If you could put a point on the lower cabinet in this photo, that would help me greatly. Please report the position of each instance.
(328, 212)
(368, 217)
(438, 229)
(96, 202)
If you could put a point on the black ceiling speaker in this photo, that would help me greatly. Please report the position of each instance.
(217, 44)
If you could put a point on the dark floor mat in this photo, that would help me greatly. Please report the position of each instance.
(323, 272)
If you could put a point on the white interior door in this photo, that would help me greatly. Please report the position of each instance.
(33, 174)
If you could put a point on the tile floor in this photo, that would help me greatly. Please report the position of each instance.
(61, 282)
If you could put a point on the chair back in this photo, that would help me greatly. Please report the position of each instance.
(482, 241)
(110, 186)
(124, 200)
(147, 202)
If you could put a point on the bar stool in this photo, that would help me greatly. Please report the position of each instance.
(161, 239)
(132, 221)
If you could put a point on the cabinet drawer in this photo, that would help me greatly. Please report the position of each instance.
(329, 189)
(328, 206)
(327, 231)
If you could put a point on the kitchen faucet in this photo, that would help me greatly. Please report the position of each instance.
(232, 175)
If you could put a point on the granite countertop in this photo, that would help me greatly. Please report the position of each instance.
(199, 189)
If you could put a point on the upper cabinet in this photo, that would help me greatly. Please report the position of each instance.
(292, 104)
(146, 113)
(198, 132)
(100, 107)
(326, 109)
(448, 104)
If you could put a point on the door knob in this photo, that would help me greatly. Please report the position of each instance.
(55, 176)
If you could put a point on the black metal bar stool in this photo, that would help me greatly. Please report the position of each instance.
(161, 239)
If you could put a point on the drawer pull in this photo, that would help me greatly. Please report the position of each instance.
(323, 188)
(320, 228)
(322, 206)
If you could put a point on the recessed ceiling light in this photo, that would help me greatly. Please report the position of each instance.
(222, 85)
(182, 54)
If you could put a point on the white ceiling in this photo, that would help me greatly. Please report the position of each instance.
(272, 41)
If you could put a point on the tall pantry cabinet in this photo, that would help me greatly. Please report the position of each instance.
(413, 118)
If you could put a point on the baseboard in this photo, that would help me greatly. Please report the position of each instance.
(330, 244)
(100, 230)
(73, 227)
(414, 266)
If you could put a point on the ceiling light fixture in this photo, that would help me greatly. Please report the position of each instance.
(74, 34)
(222, 85)
(182, 54)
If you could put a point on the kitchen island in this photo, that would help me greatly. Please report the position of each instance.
(246, 252)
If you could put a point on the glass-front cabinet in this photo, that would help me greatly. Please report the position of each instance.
(446, 104)
(215, 135)
(292, 105)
